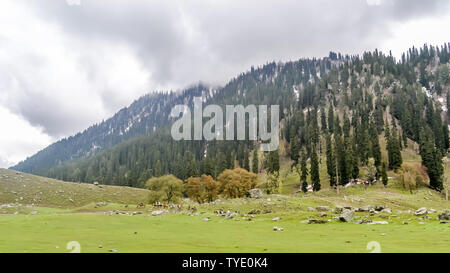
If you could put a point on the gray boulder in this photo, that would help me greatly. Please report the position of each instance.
(378, 222)
(255, 193)
(158, 212)
(364, 221)
(445, 215)
(317, 221)
(421, 211)
(347, 215)
(254, 211)
(338, 210)
(230, 215)
(323, 208)
(386, 210)
(276, 219)
(364, 209)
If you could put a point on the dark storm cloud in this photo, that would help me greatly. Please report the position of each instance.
(180, 42)
(232, 33)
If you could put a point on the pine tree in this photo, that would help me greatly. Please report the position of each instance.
(394, 152)
(273, 163)
(431, 158)
(315, 179)
(246, 160)
(304, 171)
(405, 140)
(384, 177)
(346, 126)
(323, 120)
(376, 150)
(255, 161)
(331, 162)
(295, 149)
(341, 156)
(331, 119)
(191, 165)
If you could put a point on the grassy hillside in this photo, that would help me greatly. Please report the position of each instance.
(16, 187)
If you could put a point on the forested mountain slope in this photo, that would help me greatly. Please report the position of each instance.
(143, 117)
(335, 107)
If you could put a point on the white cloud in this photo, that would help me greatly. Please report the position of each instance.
(428, 30)
(18, 139)
(61, 82)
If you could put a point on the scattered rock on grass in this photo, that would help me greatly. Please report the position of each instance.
(278, 229)
(317, 221)
(364, 221)
(254, 211)
(338, 210)
(445, 215)
(323, 208)
(255, 193)
(386, 210)
(158, 212)
(347, 215)
(364, 209)
(421, 211)
(276, 219)
(378, 222)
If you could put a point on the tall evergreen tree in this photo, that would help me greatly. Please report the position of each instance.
(246, 160)
(295, 149)
(384, 177)
(304, 171)
(331, 161)
(395, 154)
(431, 158)
(375, 144)
(323, 120)
(331, 119)
(255, 168)
(315, 179)
(273, 162)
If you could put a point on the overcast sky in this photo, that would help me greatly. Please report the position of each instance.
(65, 65)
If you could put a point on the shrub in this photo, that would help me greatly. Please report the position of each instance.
(166, 188)
(202, 189)
(237, 183)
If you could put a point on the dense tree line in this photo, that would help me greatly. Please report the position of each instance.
(334, 109)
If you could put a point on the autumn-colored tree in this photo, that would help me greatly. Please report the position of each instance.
(202, 189)
(237, 183)
(166, 188)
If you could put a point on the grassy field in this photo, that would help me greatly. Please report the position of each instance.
(183, 233)
(48, 225)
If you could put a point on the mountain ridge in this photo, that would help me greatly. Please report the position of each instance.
(368, 87)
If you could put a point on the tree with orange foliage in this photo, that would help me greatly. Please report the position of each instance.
(202, 189)
(237, 183)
